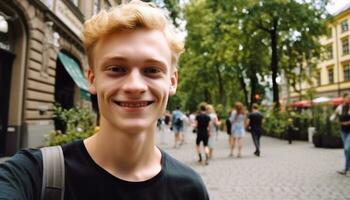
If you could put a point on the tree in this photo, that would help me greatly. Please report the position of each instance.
(280, 19)
(232, 46)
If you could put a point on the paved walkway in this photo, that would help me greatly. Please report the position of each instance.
(298, 171)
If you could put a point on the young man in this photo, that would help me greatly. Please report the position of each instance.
(254, 122)
(132, 54)
(343, 112)
(177, 122)
(202, 126)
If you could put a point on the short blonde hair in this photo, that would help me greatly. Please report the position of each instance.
(133, 15)
(210, 108)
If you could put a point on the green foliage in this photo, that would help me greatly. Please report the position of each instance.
(275, 122)
(78, 124)
(323, 124)
(229, 47)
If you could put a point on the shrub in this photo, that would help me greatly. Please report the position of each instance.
(323, 125)
(275, 123)
(78, 124)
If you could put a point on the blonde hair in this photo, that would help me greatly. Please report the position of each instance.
(210, 108)
(239, 108)
(133, 15)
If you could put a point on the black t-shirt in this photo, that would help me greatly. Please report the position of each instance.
(344, 117)
(255, 121)
(202, 123)
(21, 178)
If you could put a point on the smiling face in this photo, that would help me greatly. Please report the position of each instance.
(133, 78)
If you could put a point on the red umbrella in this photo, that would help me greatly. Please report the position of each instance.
(302, 104)
(337, 100)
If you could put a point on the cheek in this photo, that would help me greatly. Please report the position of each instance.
(105, 86)
(160, 89)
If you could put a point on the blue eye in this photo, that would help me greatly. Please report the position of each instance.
(151, 70)
(117, 69)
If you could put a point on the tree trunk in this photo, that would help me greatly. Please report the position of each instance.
(206, 95)
(221, 87)
(253, 88)
(274, 65)
(245, 91)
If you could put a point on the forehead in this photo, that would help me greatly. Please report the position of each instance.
(134, 46)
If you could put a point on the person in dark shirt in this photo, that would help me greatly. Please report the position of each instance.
(343, 112)
(202, 126)
(255, 126)
(132, 53)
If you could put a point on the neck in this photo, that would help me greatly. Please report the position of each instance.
(129, 156)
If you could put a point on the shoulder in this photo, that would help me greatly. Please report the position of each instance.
(175, 167)
(179, 174)
(21, 175)
(25, 159)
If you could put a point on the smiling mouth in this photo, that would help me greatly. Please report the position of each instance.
(136, 104)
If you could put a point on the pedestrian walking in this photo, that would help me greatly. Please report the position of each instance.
(214, 122)
(202, 127)
(161, 129)
(167, 121)
(228, 127)
(254, 122)
(238, 124)
(192, 120)
(132, 53)
(290, 130)
(177, 123)
(343, 112)
(187, 125)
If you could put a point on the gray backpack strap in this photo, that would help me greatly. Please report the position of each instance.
(53, 173)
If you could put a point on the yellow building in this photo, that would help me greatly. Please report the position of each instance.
(332, 75)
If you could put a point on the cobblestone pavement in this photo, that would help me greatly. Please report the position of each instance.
(284, 172)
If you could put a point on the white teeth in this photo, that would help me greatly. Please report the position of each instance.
(134, 105)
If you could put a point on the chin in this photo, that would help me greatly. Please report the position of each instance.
(136, 126)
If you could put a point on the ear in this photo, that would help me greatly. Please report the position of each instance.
(91, 79)
(173, 82)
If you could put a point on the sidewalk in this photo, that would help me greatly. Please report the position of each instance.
(288, 172)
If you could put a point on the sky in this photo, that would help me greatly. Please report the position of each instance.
(335, 5)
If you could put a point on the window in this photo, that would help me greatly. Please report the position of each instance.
(96, 8)
(5, 34)
(345, 46)
(330, 75)
(107, 5)
(329, 52)
(329, 33)
(318, 78)
(49, 3)
(346, 72)
(75, 2)
(344, 26)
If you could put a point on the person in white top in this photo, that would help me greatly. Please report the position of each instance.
(214, 121)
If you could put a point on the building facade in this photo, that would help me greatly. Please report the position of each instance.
(332, 76)
(42, 61)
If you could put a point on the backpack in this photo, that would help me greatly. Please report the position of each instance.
(53, 173)
(177, 120)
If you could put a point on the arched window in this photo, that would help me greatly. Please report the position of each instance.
(4, 33)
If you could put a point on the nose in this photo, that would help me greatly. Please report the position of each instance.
(135, 83)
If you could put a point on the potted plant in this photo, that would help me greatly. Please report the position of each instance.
(327, 132)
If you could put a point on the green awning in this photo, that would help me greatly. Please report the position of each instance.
(74, 71)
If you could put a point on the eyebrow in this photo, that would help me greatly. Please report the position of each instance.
(108, 59)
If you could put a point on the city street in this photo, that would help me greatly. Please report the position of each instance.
(288, 172)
